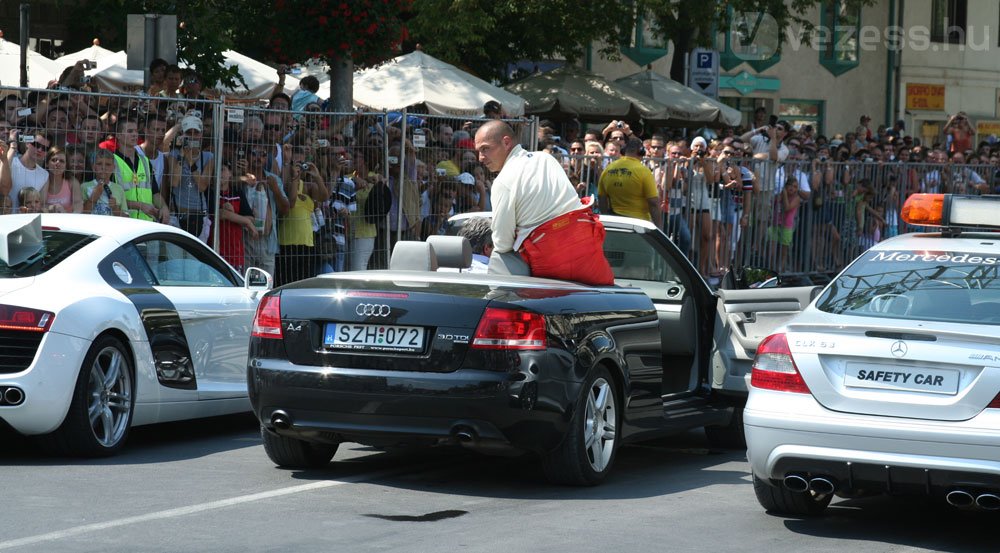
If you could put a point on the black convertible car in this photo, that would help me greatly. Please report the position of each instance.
(502, 364)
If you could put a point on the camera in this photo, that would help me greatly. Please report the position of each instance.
(107, 190)
(620, 125)
(26, 138)
(441, 171)
(241, 153)
(393, 160)
(191, 142)
(322, 143)
(304, 166)
(24, 112)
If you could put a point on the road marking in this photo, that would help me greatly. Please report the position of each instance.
(192, 509)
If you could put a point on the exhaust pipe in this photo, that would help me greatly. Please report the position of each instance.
(464, 434)
(821, 485)
(281, 420)
(988, 502)
(796, 483)
(13, 396)
(960, 498)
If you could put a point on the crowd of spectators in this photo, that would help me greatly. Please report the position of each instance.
(299, 191)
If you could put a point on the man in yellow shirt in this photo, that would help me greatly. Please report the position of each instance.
(627, 186)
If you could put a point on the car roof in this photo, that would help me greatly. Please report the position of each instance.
(118, 228)
(972, 242)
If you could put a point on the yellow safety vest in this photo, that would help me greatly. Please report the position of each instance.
(139, 187)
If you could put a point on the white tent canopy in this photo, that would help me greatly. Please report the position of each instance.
(94, 52)
(260, 77)
(416, 78)
(41, 69)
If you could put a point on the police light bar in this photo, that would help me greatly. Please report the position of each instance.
(950, 210)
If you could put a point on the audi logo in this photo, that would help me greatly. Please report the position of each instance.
(372, 310)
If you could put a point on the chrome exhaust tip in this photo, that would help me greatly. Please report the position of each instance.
(960, 498)
(795, 483)
(13, 396)
(988, 502)
(822, 486)
(464, 434)
(281, 420)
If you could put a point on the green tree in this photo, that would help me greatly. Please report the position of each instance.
(344, 34)
(692, 23)
(483, 36)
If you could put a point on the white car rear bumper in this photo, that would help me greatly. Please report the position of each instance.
(47, 383)
(793, 434)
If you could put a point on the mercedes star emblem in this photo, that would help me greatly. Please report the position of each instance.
(898, 349)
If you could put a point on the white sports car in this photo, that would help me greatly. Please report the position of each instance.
(889, 382)
(108, 323)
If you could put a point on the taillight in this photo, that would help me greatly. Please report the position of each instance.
(995, 404)
(23, 318)
(267, 322)
(510, 329)
(774, 369)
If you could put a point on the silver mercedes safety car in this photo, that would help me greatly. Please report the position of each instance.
(889, 381)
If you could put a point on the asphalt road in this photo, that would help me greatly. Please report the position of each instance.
(208, 486)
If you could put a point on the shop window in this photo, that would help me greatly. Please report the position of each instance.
(948, 19)
(803, 112)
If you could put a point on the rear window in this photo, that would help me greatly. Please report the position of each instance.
(57, 245)
(957, 287)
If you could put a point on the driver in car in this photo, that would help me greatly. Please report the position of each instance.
(540, 225)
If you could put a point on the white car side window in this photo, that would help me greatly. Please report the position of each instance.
(174, 265)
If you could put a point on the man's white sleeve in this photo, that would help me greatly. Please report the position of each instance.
(503, 217)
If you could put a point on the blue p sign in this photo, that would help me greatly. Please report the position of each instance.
(704, 60)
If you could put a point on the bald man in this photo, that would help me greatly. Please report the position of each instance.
(531, 191)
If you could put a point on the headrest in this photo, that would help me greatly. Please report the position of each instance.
(410, 255)
(452, 251)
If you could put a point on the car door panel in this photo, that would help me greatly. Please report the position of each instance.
(743, 319)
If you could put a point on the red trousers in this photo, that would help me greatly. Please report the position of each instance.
(569, 247)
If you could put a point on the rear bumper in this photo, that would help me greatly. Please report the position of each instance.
(494, 412)
(792, 433)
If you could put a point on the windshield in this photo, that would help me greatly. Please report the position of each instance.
(955, 287)
(56, 246)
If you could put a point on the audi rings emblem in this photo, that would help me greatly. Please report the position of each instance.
(373, 310)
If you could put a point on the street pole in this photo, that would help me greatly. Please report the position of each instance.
(25, 31)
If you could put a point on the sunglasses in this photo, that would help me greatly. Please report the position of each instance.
(576, 149)
(272, 127)
(40, 146)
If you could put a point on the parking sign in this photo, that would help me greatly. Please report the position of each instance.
(703, 75)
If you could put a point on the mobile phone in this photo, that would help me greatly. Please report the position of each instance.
(393, 160)
(86, 64)
(107, 190)
(295, 70)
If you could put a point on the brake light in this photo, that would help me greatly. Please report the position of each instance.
(510, 329)
(995, 404)
(267, 322)
(774, 369)
(23, 318)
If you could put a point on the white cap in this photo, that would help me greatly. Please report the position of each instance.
(191, 122)
(466, 178)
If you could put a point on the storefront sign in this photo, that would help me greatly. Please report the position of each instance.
(927, 97)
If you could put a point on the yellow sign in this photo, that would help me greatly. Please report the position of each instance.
(928, 97)
(985, 129)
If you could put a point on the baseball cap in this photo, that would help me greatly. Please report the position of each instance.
(191, 122)
(466, 178)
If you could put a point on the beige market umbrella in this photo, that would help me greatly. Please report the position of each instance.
(419, 79)
(687, 107)
(570, 91)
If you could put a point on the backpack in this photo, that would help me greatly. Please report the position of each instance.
(378, 204)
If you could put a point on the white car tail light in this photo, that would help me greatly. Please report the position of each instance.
(23, 318)
(510, 329)
(774, 369)
(267, 322)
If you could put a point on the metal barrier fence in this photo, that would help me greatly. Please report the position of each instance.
(835, 212)
(304, 192)
(287, 191)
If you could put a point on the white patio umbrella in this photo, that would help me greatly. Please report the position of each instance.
(260, 77)
(41, 69)
(95, 52)
(687, 106)
(419, 79)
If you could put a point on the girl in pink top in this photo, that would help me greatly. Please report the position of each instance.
(62, 193)
(786, 206)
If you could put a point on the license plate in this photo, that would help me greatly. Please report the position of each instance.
(368, 337)
(907, 379)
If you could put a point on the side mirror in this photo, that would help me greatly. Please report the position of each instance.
(257, 280)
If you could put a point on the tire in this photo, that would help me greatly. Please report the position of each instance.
(587, 452)
(291, 453)
(105, 388)
(729, 436)
(781, 501)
